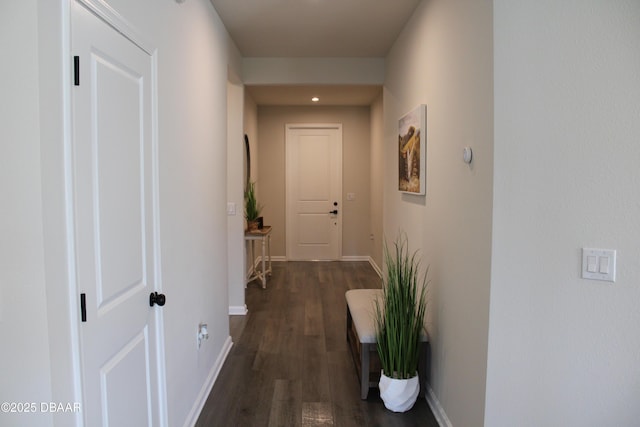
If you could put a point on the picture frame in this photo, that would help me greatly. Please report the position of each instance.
(412, 151)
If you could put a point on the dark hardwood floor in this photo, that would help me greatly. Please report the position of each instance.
(290, 364)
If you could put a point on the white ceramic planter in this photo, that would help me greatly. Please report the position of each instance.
(398, 395)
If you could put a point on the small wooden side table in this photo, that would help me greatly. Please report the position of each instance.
(264, 235)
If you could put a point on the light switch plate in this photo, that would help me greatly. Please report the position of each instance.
(231, 208)
(599, 264)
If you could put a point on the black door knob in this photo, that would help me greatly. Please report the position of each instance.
(156, 298)
(335, 212)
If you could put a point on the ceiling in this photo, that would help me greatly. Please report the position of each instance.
(314, 28)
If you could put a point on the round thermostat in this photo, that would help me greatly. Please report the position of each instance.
(467, 155)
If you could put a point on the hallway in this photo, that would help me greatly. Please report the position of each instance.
(290, 364)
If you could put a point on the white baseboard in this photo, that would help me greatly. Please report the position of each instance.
(354, 258)
(238, 310)
(436, 408)
(208, 385)
(278, 258)
(367, 258)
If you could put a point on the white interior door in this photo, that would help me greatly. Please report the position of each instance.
(314, 189)
(115, 238)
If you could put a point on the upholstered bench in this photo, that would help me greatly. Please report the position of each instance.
(361, 336)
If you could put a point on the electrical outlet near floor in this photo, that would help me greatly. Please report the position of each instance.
(203, 333)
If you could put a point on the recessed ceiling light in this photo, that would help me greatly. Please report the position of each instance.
(315, 99)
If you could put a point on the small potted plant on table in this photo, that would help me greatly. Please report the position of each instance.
(252, 209)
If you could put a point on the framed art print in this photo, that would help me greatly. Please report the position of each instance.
(412, 151)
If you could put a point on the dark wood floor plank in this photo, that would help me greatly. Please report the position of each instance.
(290, 364)
(334, 308)
(286, 407)
(316, 414)
(348, 408)
(315, 371)
(313, 314)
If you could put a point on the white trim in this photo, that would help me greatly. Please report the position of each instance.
(196, 409)
(109, 15)
(54, 37)
(281, 258)
(278, 258)
(436, 408)
(161, 365)
(348, 258)
(238, 310)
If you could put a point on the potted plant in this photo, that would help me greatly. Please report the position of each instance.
(399, 318)
(252, 209)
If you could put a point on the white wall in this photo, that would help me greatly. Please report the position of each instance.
(251, 130)
(192, 114)
(287, 71)
(443, 59)
(250, 120)
(355, 171)
(37, 361)
(563, 350)
(25, 371)
(376, 180)
(235, 195)
(320, 71)
(235, 180)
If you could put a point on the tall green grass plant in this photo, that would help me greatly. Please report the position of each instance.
(399, 314)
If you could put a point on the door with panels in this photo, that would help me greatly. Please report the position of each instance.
(115, 237)
(314, 188)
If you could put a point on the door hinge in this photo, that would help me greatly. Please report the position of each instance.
(83, 307)
(76, 70)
